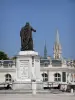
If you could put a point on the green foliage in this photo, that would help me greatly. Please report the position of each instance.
(14, 58)
(3, 56)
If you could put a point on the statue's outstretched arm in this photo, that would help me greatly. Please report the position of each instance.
(33, 29)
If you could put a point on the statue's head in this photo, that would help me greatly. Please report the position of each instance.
(27, 23)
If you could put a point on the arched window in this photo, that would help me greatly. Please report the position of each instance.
(45, 77)
(8, 78)
(57, 77)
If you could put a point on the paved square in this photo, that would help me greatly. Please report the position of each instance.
(37, 97)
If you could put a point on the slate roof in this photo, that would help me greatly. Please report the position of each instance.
(6, 62)
(44, 61)
(56, 62)
(52, 60)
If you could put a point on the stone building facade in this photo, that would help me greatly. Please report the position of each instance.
(54, 70)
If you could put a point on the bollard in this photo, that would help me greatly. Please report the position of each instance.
(71, 90)
(33, 88)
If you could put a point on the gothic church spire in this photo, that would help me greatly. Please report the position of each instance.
(45, 51)
(57, 47)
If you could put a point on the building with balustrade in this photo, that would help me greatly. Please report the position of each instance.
(54, 70)
(7, 72)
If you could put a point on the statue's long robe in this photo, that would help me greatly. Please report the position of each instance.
(26, 38)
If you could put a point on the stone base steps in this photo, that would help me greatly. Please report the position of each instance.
(30, 91)
(22, 91)
(52, 91)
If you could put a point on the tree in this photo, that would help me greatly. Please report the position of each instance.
(3, 56)
(13, 58)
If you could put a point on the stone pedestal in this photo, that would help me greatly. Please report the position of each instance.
(34, 88)
(71, 90)
(27, 69)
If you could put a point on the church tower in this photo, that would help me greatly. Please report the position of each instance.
(57, 47)
(45, 51)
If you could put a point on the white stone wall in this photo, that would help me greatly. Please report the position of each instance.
(51, 77)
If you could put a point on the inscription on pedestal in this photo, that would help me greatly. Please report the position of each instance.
(23, 69)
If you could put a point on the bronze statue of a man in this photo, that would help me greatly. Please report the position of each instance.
(26, 37)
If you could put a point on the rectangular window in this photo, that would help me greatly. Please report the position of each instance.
(63, 76)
